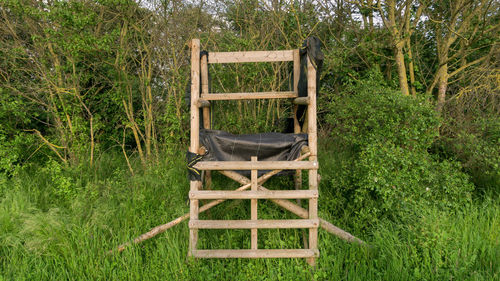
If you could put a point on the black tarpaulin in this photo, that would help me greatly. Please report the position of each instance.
(310, 48)
(223, 146)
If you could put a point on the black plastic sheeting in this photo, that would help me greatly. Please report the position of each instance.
(310, 48)
(223, 146)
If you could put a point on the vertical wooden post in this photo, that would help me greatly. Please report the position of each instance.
(195, 135)
(313, 148)
(296, 127)
(253, 205)
(206, 110)
(296, 75)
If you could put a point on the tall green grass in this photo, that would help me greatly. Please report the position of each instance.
(51, 232)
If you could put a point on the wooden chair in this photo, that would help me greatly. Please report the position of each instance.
(252, 188)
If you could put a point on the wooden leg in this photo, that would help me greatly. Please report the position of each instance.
(193, 213)
(253, 206)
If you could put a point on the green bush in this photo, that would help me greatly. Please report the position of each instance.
(391, 174)
(477, 148)
(393, 182)
(369, 112)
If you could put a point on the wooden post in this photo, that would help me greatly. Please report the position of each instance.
(296, 129)
(253, 204)
(296, 75)
(313, 148)
(195, 135)
(206, 110)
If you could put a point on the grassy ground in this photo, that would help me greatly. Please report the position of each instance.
(58, 225)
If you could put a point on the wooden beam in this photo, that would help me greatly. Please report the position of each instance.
(270, 194)
(206, 110)
(249, 96)
(260, 165)
(313, 147)
(296, 70)
(253, 205)
(250, 56)
(254, 254)
(253, 224)
(195, 135)
(301, 100)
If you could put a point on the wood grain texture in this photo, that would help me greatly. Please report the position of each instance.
(249, 95)
(260, 165)
(261, 194)
(253, 224)
(253, 205)
(250, 56)
(195, 135)
(253, 254)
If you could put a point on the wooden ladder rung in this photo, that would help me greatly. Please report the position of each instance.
(258, 165)
(262, 194)
(248, 224)
(253, 254)
(249, 96)
(250, 56)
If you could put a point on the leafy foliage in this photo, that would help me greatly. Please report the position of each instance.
(391, 174)
(370, 112)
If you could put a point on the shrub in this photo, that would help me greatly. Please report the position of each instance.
(391, 174)
(370, 112)
(393, 182)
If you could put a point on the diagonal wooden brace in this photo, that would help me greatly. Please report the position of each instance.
(296, 209)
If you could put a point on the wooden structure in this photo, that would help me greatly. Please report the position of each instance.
(200, 98)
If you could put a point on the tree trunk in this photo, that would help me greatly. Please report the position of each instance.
(442, 86)
(400, 62)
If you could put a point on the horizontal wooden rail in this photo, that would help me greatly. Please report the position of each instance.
(250, 56)
(247, 224)
(249, 96)
(301, 100)
(253, 254)
(271, 194)
(258, 165)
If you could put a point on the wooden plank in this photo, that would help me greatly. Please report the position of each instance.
(260, 165)
(204, 91)
(250, 56)
(311, 109)
(296, 70)
(249, 224)
(312, 142)
(253, 205)
(206, 110)
(301, 100)
(296, 75)
(195, 135)
(270, 194)
(253, 254)
(249, 96)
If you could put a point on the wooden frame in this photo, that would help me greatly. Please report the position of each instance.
(200, 99)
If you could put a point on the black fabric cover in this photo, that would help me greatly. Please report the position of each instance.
(187, 94)
(223, 146)
(191, 159)
(312, 48)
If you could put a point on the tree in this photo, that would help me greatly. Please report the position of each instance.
(458, 28)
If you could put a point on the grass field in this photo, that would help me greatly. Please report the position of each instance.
(58, 224)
